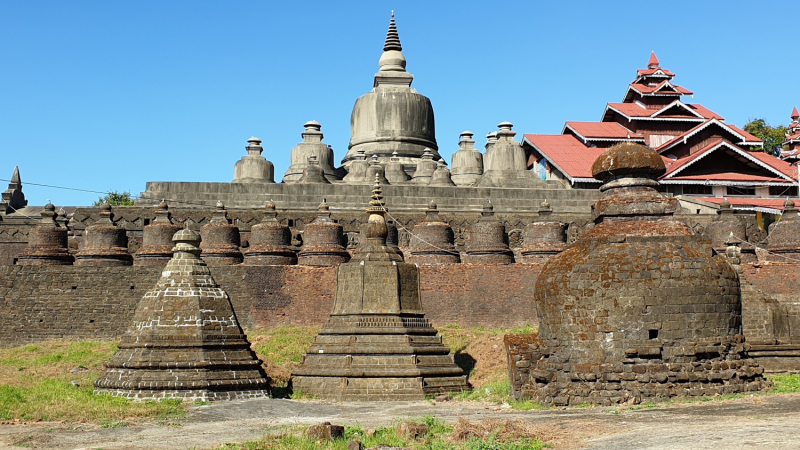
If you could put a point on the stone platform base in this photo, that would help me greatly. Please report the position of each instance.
(377, 389)
(195, 395)
(776, 358)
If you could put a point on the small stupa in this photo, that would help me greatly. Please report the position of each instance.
(221, 240)
(105, 244)
(322, 241)
(487, 241)
(156, 247)
(270, 242)
(184, 340)
(433, 240)
(377, 343)
(47, 242)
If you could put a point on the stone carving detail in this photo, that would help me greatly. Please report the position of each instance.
(185, 340)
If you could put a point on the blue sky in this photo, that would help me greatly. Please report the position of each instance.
(110, 95)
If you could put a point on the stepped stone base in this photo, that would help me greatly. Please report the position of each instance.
(376, 389)
(196, 395)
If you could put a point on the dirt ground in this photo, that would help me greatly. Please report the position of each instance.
(754, 422)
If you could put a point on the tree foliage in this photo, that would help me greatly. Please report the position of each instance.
(773, 137)
(115, 198)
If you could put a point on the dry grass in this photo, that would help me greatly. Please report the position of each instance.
(281, 348)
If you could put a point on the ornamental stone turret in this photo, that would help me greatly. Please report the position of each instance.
(357, 170)
(394, 171)
(377, 344)
(441, 176)
(639, 308)
(312, 145)
(313, 174)
(12, 198)
(543, 239)
(432, 240)
(270, 242)
(184, 340)
(157, 244)
(253, 168)
(425, 168)
(467, 162)
(393, 116)
(104, 243)
(221, 240)
(504, 163)
(376, 169)
(723, 225)
(322, 241)
(47, 242)
(784, 239)
(487, 242)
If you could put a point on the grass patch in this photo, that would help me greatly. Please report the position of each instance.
(489, 435)
(786, 383)
(38, 385)
(282, 349)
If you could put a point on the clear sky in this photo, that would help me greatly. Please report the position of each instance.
(109, 95)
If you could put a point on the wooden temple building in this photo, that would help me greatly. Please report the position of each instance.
(707, 159)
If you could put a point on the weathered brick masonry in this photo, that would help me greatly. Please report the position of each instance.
(69, 302)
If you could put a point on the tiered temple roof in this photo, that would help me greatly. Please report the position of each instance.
(704, 156)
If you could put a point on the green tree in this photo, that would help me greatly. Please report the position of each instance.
(115, 198)
(773, 137)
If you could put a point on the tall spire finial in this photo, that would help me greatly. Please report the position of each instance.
(653, 63)
(795, 114)
(392, 38)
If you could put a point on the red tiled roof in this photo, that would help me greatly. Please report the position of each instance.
(782, 166)
(775, 163)
(705, 112)
(676, 139)
(793, 137)
(795, 114)
(653, 61)
(605, 130)
(632, 109)
(732, 176)
(743, 202)
(567, 153)
(642, 72)
(747, 136)
(645, 89)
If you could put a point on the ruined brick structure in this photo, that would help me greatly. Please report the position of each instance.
(377, 344)
(105, 243)
(543, 238)
(637, 309)
(322, 241)
(184, 340)
(47, 245)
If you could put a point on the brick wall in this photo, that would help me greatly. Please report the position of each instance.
(69, 302)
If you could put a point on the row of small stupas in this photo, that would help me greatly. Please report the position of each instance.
(706, 158)
(106, 244)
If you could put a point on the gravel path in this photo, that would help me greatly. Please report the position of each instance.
(756, 422)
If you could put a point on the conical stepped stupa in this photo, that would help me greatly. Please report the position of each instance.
(377, 344)
(185, 341)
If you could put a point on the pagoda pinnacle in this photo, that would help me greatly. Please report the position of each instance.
(16, 179)
(653, 63)
(795, 114)
(392, 38)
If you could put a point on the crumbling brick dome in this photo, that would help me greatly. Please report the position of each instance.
(639, 307)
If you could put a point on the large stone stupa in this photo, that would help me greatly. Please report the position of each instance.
(184, 340)
(393, 116)
(377, 343)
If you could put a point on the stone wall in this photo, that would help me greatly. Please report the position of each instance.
(69, 302)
